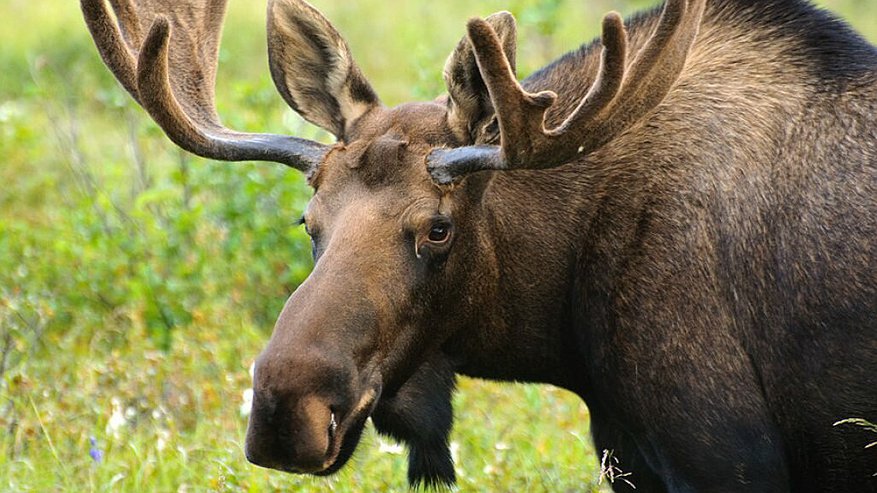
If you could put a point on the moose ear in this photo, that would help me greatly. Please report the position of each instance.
(313, 69)
(470, 112)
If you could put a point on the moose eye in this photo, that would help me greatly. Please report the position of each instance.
(435, 243)
(439, 233)
(313, 237)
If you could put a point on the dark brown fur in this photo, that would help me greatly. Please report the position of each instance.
(706, 280)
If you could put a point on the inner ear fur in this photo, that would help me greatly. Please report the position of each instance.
(313, 68)
(470, 112)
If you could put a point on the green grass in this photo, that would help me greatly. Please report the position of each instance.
(138, 283)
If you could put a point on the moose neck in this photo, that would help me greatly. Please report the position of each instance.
(530, 239)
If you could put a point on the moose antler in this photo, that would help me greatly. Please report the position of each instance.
(620, 96)
(171, 73)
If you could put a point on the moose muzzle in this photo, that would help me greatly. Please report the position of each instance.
(289, 433)
(303, 410)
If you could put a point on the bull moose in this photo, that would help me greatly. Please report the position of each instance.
(677, 222)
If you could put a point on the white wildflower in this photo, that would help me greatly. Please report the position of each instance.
(159, 413)
(247, 404)
(390, 448)
(163, 437)
(117, 418)
(455, 457)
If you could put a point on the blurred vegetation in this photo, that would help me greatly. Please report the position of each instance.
(138, 283)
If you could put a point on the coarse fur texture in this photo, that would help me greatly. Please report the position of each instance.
(704, 276)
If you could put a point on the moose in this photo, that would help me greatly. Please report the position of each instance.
(677, 222)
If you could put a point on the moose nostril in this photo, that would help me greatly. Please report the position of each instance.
(333, 425)
(314, 425)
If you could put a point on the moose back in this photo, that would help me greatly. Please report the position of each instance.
(677, 222)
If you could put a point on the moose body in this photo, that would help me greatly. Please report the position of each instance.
(691, 248)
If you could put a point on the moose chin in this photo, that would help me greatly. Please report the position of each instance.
(677, 222)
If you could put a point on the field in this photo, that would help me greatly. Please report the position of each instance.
(138, 283)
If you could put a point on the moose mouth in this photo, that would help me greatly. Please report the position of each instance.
(345, 436)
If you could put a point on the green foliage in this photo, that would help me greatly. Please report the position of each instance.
(137, 283)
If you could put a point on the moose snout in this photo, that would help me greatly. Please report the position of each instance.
(290, 434)
(295, 416)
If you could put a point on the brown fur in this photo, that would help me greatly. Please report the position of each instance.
(705, 279)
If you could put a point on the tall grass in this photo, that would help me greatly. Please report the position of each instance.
(137, 283)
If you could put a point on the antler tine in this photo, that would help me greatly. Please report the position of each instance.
(172, 74)
(609, 76)
(127, 18)
(620, 96)
(649, 79)
(112, 49)
(650, 76)
(520, 113)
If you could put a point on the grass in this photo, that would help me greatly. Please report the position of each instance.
(137, 283)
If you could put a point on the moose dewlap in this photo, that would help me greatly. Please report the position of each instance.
(677, 222)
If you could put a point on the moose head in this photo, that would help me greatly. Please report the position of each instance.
(409, 218)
